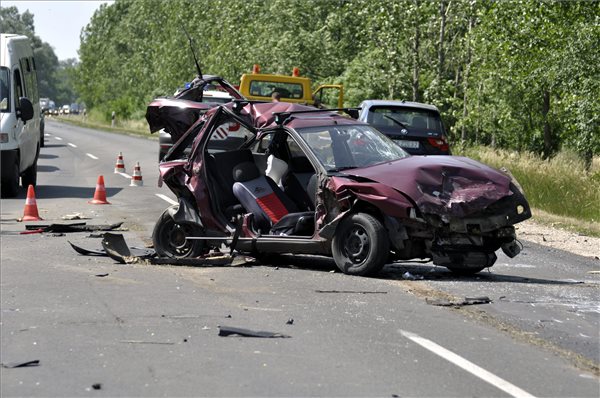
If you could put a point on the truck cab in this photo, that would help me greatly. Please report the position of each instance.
(20, 114)
(296, 89)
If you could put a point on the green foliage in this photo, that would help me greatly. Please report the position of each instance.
(513, 74)
(560, 186)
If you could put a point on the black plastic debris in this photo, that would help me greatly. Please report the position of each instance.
(134, 251)
(97, 386)
(11, 365)
(101, 275)
(290, 321)
(350, 291)
(460, 303)
(225, 331)
(72, 227)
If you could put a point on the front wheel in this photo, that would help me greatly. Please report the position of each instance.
(10, 183)
(361, 245)
(169, 238)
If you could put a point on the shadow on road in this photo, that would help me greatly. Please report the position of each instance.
(54, 145)
(399, 270)
(47, 169)
(47, 156)
(57, 191)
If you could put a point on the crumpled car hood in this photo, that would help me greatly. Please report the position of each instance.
(442, 185)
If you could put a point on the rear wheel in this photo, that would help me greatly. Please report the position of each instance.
(360, 245)
(169, 238)
(10, 184)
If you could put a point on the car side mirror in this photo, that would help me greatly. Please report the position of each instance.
(25, 109)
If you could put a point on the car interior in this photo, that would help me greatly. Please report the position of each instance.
(273, 181)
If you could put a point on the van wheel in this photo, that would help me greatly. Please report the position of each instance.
(10, 184)
(360, 245)
(29, 177)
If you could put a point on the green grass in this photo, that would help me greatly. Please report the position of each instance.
(131, 127)
(560, 186)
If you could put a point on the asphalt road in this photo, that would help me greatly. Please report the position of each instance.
(103, 329)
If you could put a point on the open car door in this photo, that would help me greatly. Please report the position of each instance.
(329, 96)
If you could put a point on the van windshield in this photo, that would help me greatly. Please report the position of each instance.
(4, 91)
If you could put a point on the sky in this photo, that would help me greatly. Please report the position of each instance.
(59, 23)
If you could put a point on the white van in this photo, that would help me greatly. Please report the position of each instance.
(19, 114)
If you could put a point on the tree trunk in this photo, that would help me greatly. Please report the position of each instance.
(416, 60)
(547, 131)
(463, 130)
(440, 70)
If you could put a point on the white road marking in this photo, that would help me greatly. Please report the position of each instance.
(166, 198)
(91, 156)
(125, 175)
(71, 144)
(58, 138)
(470, 367)
(47, 135)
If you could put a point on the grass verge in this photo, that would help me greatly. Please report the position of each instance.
(563, 193)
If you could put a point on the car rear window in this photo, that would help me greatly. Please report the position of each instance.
(286, 90)
(395, 116)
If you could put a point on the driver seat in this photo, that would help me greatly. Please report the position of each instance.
(272, 209)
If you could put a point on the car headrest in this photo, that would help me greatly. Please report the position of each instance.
(276, 169)
(245, 171)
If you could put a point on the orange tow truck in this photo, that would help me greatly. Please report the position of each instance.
(260, 87)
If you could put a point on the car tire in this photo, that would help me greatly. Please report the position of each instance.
(42, 139)
(361, 245)
(169, 238)
(10, 184)
(29, 176)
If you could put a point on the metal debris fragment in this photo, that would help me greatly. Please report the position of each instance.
(225, 331)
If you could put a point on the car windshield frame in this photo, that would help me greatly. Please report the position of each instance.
(349, 146)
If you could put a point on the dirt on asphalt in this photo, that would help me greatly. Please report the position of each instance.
(583, 245)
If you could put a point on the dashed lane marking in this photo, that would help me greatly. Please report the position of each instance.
(71, 144)
(91, 156)
(166, 198)
(125, 175)
(470, 367)
(58, 138)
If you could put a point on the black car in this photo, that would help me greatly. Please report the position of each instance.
(414, 126)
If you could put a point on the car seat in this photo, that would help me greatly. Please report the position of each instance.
(272, 209)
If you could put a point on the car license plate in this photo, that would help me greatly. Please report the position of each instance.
(408, 144)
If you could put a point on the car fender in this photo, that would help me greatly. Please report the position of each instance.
(185, 213)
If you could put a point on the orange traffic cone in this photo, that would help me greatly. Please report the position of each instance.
(120, 165)
(31, 211)
(100, 194)
(136, 178)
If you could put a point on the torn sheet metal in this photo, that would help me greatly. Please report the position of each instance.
(225, 331)
(72, 227)
(115, 247)
(135, 251)
(26, 364)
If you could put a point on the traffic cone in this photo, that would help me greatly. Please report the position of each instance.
(100, 194)
(120, 165)
(31, 211)
(136, 178)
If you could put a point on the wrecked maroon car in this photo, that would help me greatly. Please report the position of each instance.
(295, 179)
